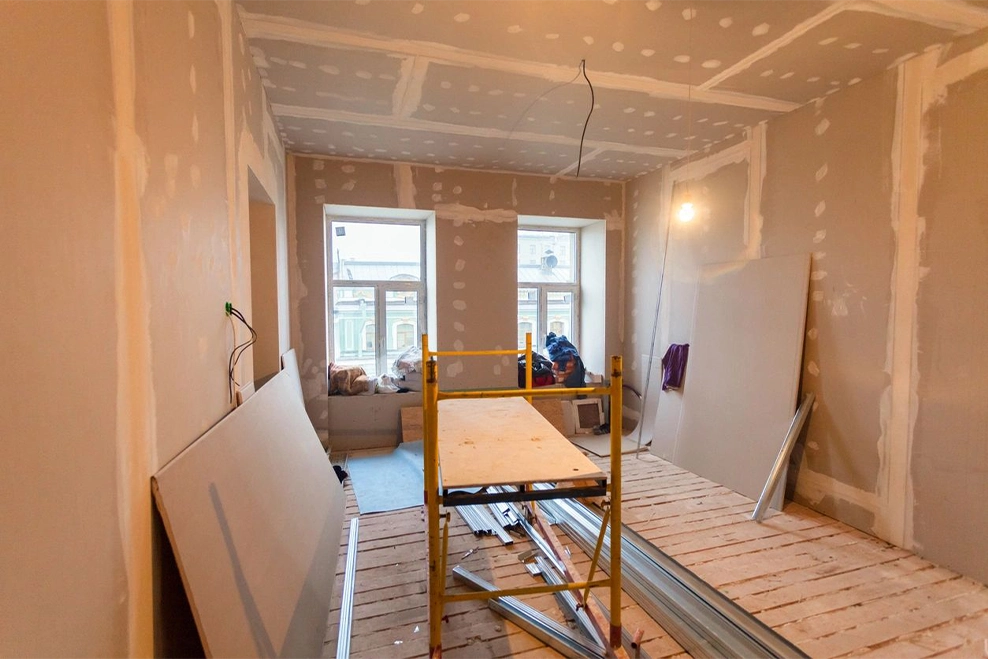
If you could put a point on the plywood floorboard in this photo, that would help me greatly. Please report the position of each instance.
(833, 590)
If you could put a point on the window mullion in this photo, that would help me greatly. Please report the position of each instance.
(380, 329)
(542, 326)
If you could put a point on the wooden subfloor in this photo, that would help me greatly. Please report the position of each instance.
(830, 589)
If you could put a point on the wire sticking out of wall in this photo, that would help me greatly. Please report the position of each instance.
(238, 349)
(579, 158)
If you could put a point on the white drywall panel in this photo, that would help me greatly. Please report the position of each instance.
(743, 370)
(254, 513)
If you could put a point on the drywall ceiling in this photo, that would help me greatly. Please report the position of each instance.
(498, 85)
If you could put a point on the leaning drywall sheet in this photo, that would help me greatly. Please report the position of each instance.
(254, 514)
(745, 357)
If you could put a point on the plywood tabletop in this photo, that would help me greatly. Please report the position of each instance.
(504, 441)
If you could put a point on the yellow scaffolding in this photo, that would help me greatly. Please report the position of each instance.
(435, 496)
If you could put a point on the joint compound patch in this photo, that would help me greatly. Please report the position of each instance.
(454, 369)
(460, 264)
(458, 241)
(457, 345)
(459, 327)
(318, 165)
(459, 285)
(461, 214)
(819, 236)
(460, 305)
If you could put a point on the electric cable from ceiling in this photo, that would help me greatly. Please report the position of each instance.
(582, 70)
(536, 100)
(579, 158)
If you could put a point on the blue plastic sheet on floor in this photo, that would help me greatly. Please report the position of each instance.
(388, 481)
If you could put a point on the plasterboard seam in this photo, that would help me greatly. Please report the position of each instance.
(136, 452)
(773, 46)
(815, 486)
(408, 91)
(439, 168)
(958, 69)
(898, 404)
(957, 17)
(405, 185)
(753, 202)
(587, 158)
(407, 123)
(702, 167)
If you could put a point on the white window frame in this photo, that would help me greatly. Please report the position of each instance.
(544, 288)
(381, 288)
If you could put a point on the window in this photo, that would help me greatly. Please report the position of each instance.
(376, 290)
(548, 283)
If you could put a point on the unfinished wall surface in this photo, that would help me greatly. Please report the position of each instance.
(882, 183)
(716, 235)
(57, 498)
(476, 296)
(828, 191)
(476, 207)
(949, 459)
(127, 136)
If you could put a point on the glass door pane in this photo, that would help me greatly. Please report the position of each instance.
(402, 323)
(528, 315)
(354, 328)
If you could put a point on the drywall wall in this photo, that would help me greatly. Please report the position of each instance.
(827, 191)
(476, 295)
(127, 134)
(475, 228)
(716, 235)
(881, 183)
(949, 460)
(62, 555)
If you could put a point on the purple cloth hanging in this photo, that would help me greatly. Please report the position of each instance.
(674, 366)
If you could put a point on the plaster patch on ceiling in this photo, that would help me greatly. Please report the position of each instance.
(346, 80)
(453, 82)
(584, 21)
(840, 49)
(397, 145)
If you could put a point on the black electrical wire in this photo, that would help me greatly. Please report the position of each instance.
(239, 349)
(579, 158)
(536, 100)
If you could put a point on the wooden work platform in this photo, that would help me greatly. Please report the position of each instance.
(504, 441)
(832, 590)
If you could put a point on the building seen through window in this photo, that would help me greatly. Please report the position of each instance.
(377, 291)
(548, 288)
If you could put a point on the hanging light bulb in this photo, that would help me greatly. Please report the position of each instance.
(686, 212)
